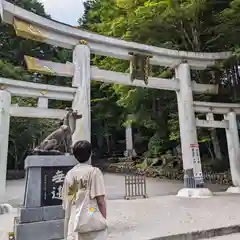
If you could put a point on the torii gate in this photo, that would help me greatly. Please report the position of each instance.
(229, 111)
(32, 26)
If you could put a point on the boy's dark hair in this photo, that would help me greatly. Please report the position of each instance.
(82, 151)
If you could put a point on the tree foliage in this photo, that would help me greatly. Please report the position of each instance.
(191, 25)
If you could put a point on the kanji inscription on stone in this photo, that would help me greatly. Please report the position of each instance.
(52, 185)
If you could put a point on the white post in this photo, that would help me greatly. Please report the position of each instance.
(42, 102)
(129, 140)
(193, 177)
(5, 103)
(81, 102)
(233, 151)
(130, 151)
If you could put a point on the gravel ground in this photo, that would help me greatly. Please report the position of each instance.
(162, 214)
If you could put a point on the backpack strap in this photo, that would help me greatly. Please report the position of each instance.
(90, 175)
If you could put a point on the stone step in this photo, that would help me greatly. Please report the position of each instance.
(40, 230)
(205, 234)
(235, 236)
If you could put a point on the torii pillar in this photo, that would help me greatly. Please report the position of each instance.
(233, 151)
(193, 177)
(5, 104)
(81, 102)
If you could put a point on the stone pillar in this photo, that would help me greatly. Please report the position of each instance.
(81, 102)
(42, 102)
(233, 151)
(193, 177)
(214, 137)
(130, 151)
(5, 103)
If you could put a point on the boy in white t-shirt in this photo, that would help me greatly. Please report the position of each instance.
(82, 151)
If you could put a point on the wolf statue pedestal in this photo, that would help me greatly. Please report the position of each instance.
(42, 216)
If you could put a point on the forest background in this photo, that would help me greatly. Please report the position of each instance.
(190, 25)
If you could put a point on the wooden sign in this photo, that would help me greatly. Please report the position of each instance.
(52, 184)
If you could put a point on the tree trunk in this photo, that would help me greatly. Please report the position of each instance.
(216, 145)
(210, 151)
(16, 162)
(107, 137)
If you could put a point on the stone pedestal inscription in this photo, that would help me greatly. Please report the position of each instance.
(42, 216)
(51, 185)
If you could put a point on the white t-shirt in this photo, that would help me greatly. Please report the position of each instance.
(80, 174)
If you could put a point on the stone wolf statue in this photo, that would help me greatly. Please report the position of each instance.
(60, 141)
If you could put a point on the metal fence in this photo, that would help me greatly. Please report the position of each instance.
(135, 186)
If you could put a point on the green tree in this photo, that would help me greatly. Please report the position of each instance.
(12, 51)
(190, 25)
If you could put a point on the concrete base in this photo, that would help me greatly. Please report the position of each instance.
(45, 230)
(43, 223)
(130, 153)
(195, 193)
(50, 213)
(233, 190)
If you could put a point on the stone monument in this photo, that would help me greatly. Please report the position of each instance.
(42, 216)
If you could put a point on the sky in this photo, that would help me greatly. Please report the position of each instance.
(66, 11)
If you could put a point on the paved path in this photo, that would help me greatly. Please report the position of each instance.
(114, 186)
(170, 215)
(161, 215)
(145, 219)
